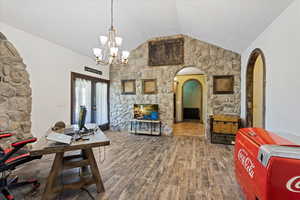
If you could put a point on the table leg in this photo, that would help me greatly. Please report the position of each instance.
(159, 128)
(84, 169)
(95, 170)
(54, 173)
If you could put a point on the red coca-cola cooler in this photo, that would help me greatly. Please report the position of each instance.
(267, 166)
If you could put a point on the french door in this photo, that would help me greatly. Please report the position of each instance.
(92, 93)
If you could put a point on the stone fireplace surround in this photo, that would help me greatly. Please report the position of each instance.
(210, 59)
(15, 93)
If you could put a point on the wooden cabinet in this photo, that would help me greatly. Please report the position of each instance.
(223, 128)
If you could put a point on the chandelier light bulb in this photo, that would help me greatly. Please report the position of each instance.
(125, 54)
(119, 41)
(110, 60)
(103, 40)
(114, 51)
(97, 52)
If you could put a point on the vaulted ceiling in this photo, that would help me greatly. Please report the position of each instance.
(76, 24)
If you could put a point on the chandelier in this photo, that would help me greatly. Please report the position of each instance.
(110, 51)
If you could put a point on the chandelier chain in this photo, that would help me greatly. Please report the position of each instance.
(112, 14)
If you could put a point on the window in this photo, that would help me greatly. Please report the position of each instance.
(92, 93)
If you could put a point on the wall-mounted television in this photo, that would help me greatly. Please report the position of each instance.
(146, 111)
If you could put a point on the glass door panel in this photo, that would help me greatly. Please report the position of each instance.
(92, 93)
(83, 95)
(101, 113)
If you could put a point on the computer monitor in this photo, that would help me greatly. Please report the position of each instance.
(82, 118)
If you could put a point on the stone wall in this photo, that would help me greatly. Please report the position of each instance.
(15, 93)
(210, 59)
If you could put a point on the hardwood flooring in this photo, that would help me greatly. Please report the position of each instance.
(191, 128)
(152, 168)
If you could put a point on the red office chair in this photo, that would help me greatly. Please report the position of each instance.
(11, 158)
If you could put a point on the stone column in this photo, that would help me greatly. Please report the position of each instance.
(15, 93)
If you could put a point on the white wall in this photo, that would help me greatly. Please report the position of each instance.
(49, 67)
(280, 43)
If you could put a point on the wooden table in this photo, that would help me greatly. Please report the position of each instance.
(61, 162)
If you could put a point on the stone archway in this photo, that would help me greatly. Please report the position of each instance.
(197, 126)
(186, 71)
(250, 87)
(15, 92)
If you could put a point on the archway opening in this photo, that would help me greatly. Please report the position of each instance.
(189, 102)
(192, 100)
(256, 89)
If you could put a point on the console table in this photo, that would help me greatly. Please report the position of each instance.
(145, 127)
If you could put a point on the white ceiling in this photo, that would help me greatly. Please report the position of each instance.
(76, 24)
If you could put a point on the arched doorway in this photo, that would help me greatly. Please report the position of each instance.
(192, 107)
(256, 89)
(190, 113)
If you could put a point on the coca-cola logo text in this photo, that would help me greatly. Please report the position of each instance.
(246, 162)
(293, 184)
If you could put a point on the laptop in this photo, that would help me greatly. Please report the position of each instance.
(58, 137)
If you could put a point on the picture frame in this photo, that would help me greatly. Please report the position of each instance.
(223, 84)
(149, 86)
(166, 52)
(128, 87)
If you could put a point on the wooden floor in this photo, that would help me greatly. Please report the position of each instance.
(152, 168)
(191, 128)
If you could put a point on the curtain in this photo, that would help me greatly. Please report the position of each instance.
(83, 90)
(101, 103)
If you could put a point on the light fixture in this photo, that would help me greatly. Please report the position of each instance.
(110, 51)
